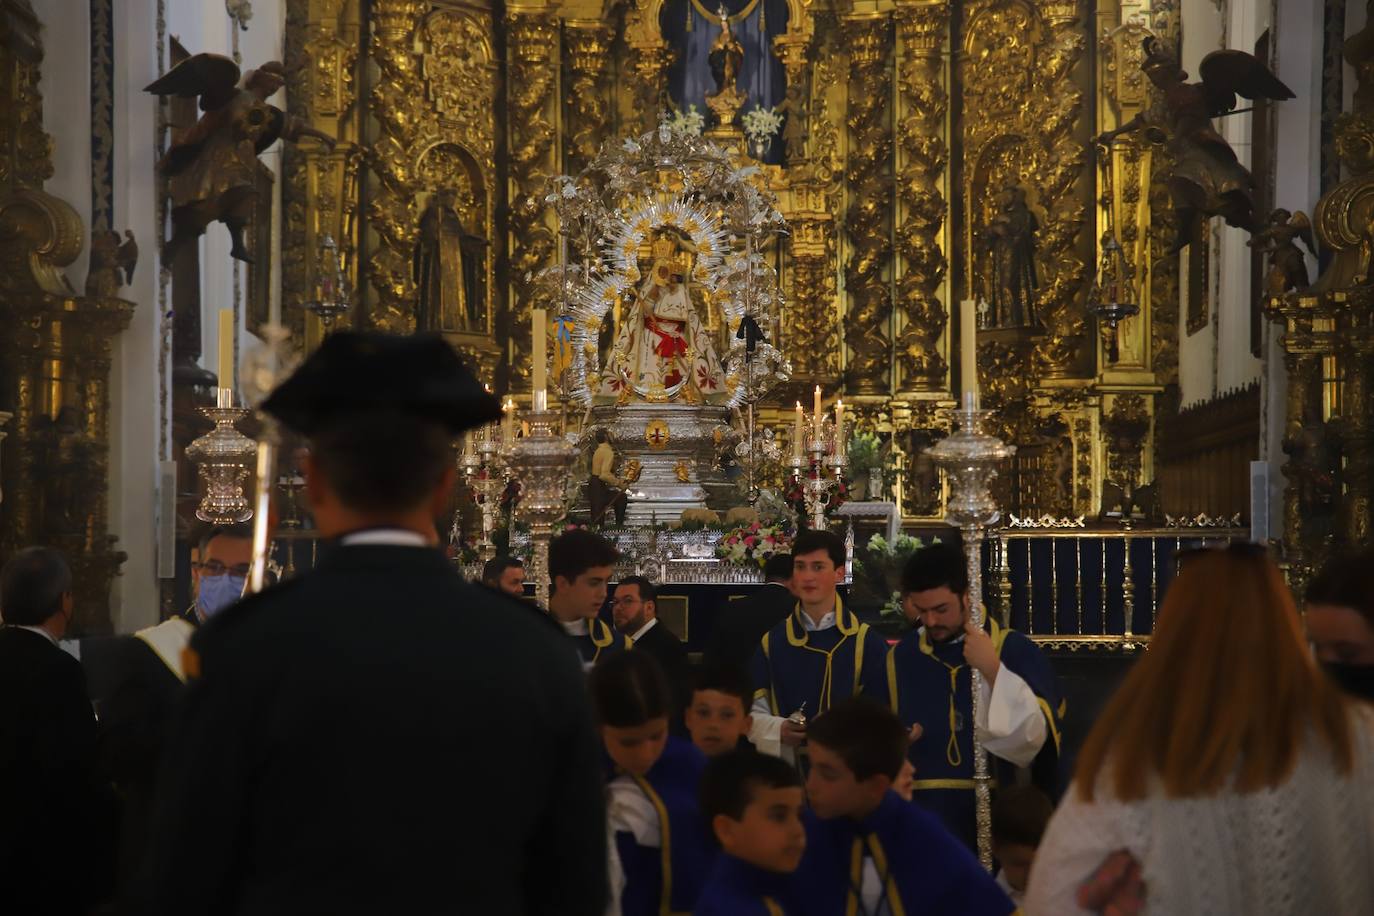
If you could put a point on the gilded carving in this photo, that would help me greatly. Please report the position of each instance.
(868, 38)
(588, 60)
(650, 57)
(1023, 105)
(921, 29)
(532, 38)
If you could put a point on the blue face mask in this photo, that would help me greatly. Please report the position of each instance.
(218, 592)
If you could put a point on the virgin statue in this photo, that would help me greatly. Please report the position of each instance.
(662, 352)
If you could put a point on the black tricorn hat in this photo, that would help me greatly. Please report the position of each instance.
(353, 372)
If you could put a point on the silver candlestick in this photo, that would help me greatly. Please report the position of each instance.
(224, 457)
(970, 458)
(819, 476)
(542, 463)
(485, 472)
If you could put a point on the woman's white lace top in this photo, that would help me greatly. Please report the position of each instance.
(1305, 847)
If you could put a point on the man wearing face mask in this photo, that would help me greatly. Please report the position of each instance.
(139, 678)
(1340, 622)
(56, 817)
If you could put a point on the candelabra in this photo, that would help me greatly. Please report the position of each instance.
(330, 299)
(223, 457)
(820, 476)
(541, 462)
(484, 470)
(970, 458)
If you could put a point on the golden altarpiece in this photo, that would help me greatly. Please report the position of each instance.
(909, 124)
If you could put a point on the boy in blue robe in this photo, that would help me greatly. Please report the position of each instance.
(867, 850)
(580, 565)
(658, 836)
(717, 716)
(820, 655)
(930, 684)
(753, 803)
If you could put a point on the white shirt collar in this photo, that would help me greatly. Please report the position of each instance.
(390, 537)
(40, 631)
(576, 627)
(644, 629)
(811, 626)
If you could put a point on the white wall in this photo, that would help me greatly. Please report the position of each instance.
(1202, 34)
(140, 418)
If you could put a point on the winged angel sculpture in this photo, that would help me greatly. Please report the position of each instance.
(1207, 180)
(211, 166)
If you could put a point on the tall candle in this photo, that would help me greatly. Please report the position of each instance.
(839, 428)
(968, 352)
(797, 433)
(816, 413)
(510, 422)
(541, 340)
(226, 348)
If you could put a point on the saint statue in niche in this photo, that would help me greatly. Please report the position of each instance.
(662, 351)
(449, 266)
(1011, 279)
(692, 29)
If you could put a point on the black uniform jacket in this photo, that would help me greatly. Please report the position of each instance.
(378, 736)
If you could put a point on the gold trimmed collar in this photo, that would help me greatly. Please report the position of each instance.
(845, 622)
(606, 637)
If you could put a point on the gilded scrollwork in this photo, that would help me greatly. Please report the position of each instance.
(1023, 105)
(921, 29)
(869, 215)
(532, 48)
(587, 57)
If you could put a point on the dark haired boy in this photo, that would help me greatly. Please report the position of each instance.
(717, 715)
(580, 565)
(867, 850)
(821, 654)
(1020, 815)
(753, 804)
(930, 683)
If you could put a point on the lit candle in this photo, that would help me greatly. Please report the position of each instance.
(226, 348)
(816, 413)
(968, 353)
(797, 433)
(541, 340)
(510, 422)
(839, 427)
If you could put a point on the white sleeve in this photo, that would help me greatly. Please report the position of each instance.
(616, 871)
(765, 732)
(1079, 838)
(1011, 724)
(630, 812)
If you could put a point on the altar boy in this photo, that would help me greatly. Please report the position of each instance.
(821, 654)
(867, 849)
(580, 565)
(930, 681)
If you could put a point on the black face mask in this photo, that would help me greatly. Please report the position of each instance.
(1356, 680)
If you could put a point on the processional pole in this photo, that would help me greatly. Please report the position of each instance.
(970, 457)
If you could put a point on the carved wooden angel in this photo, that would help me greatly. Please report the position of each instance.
(1207, 179)
(1278, 239)
(212, 164)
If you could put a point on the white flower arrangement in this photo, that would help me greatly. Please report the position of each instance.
(760, 126)
(690, 121)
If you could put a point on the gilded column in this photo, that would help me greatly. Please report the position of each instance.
(869, 215)
(396, 102)
(809, 330)
(532, 52)
(649, 60)
(320, 191)
(1357, 342)
(1062, 192)
(921, 28)
(587, 57)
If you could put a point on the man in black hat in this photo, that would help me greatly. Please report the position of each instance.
(378, 736)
